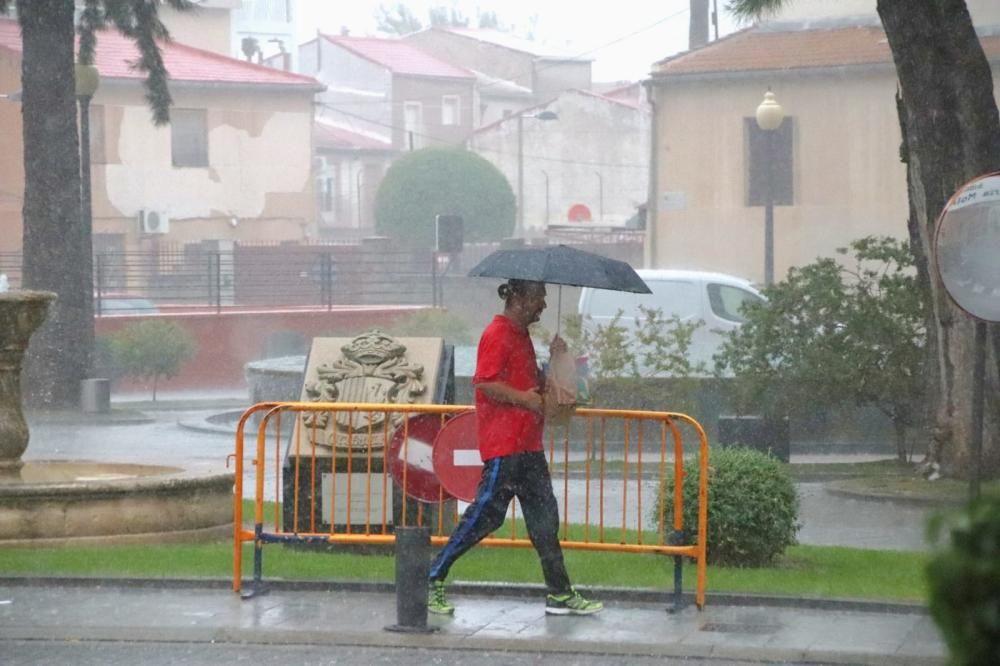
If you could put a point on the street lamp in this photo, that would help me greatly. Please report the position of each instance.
(544, 115)
(600, 189)
(546, 196)
(87, 78)
(770, 116)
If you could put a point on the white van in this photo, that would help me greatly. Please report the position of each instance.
(713, 298)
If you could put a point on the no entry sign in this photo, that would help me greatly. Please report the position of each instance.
(410, 458)
(456, 457)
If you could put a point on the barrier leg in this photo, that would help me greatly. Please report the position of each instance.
(413, 563)
(677, 539)
(258, 587)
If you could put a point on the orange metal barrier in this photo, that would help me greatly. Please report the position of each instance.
(607, 467)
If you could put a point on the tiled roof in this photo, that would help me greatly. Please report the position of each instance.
(116, 53)
(754, 49)
(334, 137)
(399, 57)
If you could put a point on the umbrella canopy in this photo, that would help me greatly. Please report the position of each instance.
(559, 264)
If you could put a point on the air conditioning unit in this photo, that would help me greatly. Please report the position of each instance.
(154, 222)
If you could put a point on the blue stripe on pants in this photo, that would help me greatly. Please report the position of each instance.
(457, 539)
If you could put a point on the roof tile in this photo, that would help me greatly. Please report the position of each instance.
(755, 49)
(399, 57)
(116, 54)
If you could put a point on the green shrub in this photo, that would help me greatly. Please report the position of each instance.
(443, 181)
(964, 582)
(752, 507)
(434, 324)
(151, 349)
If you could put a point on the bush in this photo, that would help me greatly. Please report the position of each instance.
(434, 324)
(752, 507)
(443, 181)
(151, 349)
(964, 582)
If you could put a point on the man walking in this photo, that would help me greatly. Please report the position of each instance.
(509, 416)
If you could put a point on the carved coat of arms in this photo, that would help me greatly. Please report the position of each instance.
(373, 369)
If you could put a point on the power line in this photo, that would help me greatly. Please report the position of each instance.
(543, 158)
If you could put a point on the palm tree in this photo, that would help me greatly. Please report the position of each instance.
(951, 133)
(57, 245)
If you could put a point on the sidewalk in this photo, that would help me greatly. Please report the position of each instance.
(488, 618)
(192, 611)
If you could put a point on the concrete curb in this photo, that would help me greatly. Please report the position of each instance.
(382, 639)
(618, 594)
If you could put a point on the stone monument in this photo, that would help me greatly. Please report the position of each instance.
(344, 452)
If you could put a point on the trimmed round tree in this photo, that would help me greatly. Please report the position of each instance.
(443, 181)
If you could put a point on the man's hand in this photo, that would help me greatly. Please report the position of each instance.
(533, 400)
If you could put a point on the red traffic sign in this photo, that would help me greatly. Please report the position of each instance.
(456, 457)
(411, 458)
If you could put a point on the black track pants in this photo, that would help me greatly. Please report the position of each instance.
(526, 476)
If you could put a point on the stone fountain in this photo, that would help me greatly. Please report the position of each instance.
(53, 502)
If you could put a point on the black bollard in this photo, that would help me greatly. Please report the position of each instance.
(413, 564)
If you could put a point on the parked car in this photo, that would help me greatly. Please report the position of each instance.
(114, 304)
(713, 298)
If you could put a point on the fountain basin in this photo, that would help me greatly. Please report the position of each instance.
(61, 502)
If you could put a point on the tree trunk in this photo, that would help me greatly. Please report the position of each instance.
(899, 430)
(951, 131)
(57, 247)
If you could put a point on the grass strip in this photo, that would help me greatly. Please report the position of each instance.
(802, 571)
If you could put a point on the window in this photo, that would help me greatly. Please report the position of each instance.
(413, 123)
(727, 302)
(780, 163)
(189, 137)
(450, 110)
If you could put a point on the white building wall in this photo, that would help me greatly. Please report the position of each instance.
(597, 149)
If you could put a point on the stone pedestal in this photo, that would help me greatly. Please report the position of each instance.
(21, 313)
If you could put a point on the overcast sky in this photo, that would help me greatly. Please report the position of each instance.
(623, 37)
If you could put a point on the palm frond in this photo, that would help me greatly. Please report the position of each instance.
(749, 10)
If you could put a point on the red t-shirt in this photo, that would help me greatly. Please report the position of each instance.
(506, 355)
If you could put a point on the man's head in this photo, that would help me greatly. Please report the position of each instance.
(524, 300)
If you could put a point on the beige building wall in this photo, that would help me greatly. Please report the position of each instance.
(11, 151)
(202, 27)
(258, 185)
(848, 180)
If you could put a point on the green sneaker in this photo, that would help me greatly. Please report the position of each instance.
(572, 603)
(436, 600)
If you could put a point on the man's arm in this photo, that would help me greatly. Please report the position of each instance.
(502, 392)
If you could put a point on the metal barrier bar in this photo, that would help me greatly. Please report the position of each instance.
(362, 451)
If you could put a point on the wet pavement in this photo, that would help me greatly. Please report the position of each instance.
(627, 630)
(193, 621)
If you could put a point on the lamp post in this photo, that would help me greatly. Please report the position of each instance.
(357, 179)
(546, 196)
(770, 116)
(600, 191)
(544, 115)
(87, 79)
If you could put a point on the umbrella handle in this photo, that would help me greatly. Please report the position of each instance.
(559, 310)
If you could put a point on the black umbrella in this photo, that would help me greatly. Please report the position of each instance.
(560, 264)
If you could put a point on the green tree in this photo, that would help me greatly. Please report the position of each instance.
(398, 20)
(830, 334)
(151, 349)
(443, 181)
(57, 246)
(951, 134)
